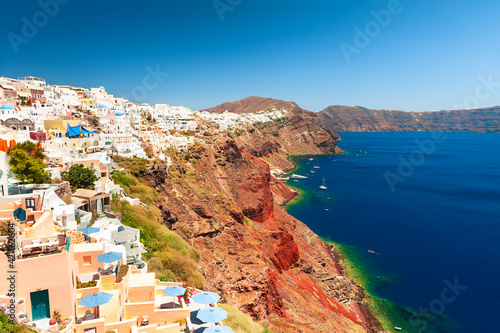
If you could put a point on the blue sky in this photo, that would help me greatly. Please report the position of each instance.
(431, 55)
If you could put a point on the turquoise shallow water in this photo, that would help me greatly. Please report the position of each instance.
(430, 205)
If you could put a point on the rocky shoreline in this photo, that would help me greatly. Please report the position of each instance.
(361, 309)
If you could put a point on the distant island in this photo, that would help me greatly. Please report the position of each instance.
(360, 119)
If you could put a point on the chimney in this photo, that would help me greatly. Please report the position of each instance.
(64, 219)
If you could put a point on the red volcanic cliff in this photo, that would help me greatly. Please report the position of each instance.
(223, 200)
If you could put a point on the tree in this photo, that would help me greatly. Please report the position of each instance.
(80, 177)
(31, 149)
(26, 168)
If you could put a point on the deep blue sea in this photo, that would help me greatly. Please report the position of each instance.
(430, 205)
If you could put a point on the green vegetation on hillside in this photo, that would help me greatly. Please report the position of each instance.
(136, 166)
(133, 187)
(169, 256)
(6, 325)
(240, 322)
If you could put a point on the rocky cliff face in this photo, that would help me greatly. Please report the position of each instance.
(359, 119)
(224, 201)
(301, 132)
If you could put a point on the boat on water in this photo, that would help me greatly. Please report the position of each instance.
(371, 251)
(283, 179)
(317, 165)
(398, 328)
(310, 159)
(297, 176)
(312, 171)
(323, 186)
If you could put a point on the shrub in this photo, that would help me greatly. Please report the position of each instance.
(123, 179)
(146, 194)
(89, 284)
(240, 322)
(168, 277)
(4, 228)
(122, 271)
(155, 265)
(6, 325)
(191, 174)
(168, 254)
(136, 166)
(57, 316)
(249, 223)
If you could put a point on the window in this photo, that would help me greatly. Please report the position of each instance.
(90, 330)
(30, 203)
(87, 260)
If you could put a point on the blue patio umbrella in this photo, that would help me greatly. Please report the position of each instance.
(219, 329)
(174, 291)
(211, 315)
(206, 297)
(89, 230)
(110, 257)
(96, 299)
(20, 214)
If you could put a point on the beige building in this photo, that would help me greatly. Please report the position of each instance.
(46, 271)
(73, 140)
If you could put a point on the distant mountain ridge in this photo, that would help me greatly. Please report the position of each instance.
(254, 104)
(359, 119)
